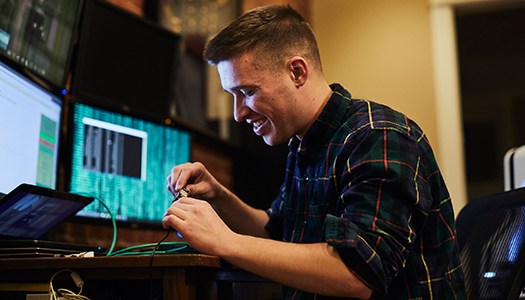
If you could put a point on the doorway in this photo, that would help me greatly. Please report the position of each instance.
(491, 60)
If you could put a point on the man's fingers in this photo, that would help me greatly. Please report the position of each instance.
(181, 175)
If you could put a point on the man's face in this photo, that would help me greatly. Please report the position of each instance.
(266, 101)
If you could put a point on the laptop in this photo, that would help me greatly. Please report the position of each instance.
(28, 212)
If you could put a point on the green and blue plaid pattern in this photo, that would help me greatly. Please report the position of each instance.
(364, 179)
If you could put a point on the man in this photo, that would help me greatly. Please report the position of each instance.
(363, 213)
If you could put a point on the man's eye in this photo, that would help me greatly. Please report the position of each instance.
(247, 93)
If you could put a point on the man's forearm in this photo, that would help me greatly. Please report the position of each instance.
(241, 217)
(315, 268)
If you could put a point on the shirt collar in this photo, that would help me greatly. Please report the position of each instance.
(324, 127)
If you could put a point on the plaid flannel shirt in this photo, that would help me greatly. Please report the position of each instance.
(364, 179)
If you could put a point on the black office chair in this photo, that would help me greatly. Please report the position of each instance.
(491, 236)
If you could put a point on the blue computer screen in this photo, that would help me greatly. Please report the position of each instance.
(124, 161)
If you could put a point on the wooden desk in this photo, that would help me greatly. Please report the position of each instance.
(177, 276)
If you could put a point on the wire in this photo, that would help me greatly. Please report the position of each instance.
(112, 220)
(171, 251)
(65, 293)
(130, 250)
(114, 226)
(69, 295)
(151, 264)
(182, 193)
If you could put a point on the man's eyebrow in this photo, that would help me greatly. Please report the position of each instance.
(237, 88)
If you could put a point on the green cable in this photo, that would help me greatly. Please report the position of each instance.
(114, 227)
(182, 244)
(120, 253)
(112, 221)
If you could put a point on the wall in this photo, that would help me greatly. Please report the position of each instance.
(302, 6)
(380, 50)
(385, 51)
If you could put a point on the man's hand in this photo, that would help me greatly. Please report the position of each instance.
(200, 184)
(197, 180)
(199, 225)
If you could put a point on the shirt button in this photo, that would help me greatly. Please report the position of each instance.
(304, 223)
(307, 178)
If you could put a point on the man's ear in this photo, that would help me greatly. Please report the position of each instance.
(298, 68)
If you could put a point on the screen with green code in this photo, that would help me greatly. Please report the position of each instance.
(124, 161)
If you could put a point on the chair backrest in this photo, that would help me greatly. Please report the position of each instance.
(491, 236)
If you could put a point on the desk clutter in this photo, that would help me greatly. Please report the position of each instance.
(170, 277)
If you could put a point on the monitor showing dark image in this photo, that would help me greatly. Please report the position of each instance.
(124, 161)
(39, 35)
(125, 60)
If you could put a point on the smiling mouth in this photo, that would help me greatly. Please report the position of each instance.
(258, 123)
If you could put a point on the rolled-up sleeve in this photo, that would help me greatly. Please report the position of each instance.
(384, 192)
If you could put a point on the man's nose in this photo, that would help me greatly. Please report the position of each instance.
(240, 111)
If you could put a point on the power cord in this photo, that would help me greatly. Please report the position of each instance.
(65, 293)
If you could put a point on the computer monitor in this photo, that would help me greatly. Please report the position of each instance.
(39, 35)
(125, 60)
(30, 120)
(124, 161)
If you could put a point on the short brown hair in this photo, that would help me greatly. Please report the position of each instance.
(274, 33)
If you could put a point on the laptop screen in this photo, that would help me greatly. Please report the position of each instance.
(28, 212)
(30, 119)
